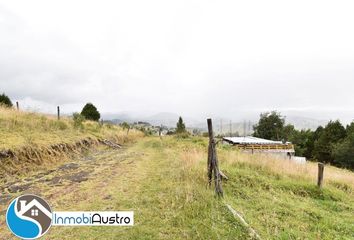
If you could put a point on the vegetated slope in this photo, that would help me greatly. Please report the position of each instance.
(153, 178)
(18, 128)
(31, 138)
(280, 199)
(166, 186)
(164, 182)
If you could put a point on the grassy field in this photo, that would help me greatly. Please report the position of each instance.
(164, 183)
(281, 200)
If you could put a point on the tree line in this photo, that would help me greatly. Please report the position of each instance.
(333, 143)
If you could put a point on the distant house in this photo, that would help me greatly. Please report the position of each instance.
(251, 144)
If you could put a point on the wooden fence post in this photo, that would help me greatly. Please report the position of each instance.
(160, 131)
(210, 149)
(213, 165)
(320, 175)
(17, 106)
(58, 111)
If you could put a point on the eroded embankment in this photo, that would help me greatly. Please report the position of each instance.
(26, 158)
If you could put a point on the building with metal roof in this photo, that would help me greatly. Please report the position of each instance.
(251, 144)
(252, 140)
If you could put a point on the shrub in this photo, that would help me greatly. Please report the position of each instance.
(90, 112)
(78, 119)
(183, 135)
(5, 100)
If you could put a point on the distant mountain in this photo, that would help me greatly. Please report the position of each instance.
(117, 117)
(305, 123)
(220, 125)
(164, 118)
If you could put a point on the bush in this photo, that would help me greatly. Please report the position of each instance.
(183, 135)
(90, 112)
(125, 126)
(78, 120)
(146, 131)
(5, 100)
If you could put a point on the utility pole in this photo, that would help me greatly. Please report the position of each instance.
(244, 128)
(58, 112)
(249, 127)
(230, 128)
(221, 127)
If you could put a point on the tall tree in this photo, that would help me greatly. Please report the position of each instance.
(344, 152)
(332, 134)
(181, 127)
(288, 132)
(350, 128)
(90, 112)
(5, 100)
(270, 126)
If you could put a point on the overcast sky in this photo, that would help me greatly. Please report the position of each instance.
(195, 58)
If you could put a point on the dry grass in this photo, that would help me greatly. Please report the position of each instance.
(277, 197)
(40, 139)
(192, 157)
(289, 168)
(169, 202)
(19, 129)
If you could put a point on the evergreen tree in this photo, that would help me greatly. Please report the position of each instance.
(350, 128)
(288, 132)
(301, 140)
(181, 127)
(90, 112)
(5, 100)
(344, 152)
(332, 134)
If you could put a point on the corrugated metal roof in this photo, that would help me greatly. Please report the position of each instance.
(251, 140)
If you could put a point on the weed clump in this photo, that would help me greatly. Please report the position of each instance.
(78, 120)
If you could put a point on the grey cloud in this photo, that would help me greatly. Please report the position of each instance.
(197, 59)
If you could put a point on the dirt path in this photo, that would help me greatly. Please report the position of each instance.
(170, 201)
(68, 177)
